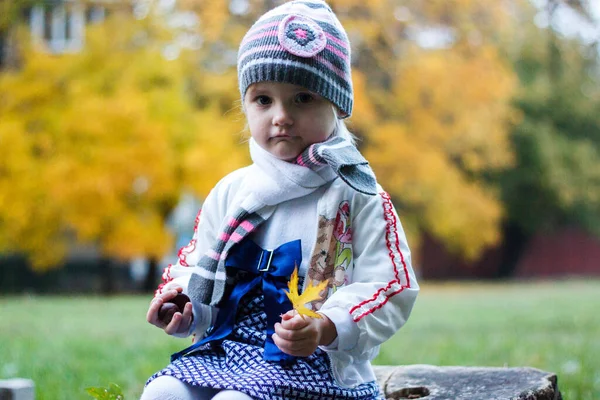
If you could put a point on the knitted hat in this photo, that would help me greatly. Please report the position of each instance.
(303, 43)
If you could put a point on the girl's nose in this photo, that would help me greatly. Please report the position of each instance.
(282, 116)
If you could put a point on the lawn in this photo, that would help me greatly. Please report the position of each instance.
(68, 344)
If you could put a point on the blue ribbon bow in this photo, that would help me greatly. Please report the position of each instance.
(271, 267)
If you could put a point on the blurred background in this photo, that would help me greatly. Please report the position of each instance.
(480, 118)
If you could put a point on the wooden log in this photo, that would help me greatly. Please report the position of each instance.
(17, 389)
(466, 383)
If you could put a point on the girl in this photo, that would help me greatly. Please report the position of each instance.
(309, 200)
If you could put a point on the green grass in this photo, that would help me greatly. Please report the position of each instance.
(68, 344)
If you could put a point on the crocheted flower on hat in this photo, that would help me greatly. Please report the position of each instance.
(301, 36)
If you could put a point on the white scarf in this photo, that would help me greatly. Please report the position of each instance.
(271, 181)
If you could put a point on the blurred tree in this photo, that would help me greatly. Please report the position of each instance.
(556, 179)
(430, 144)
(440, 113)
(100, 145)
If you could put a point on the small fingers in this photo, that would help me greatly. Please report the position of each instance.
(300, 342)
(294, 323)
(180, 322)
(170, 294)
(289, 315)
(187, 316)
(152, 314)
(173, 326)
(289, 334)
(298, 348)
(282, 332)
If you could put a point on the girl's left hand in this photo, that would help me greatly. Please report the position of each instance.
(300, 336)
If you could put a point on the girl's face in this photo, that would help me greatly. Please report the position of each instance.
(284, 119)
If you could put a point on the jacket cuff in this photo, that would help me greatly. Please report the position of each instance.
(347, 330)
(203, 319)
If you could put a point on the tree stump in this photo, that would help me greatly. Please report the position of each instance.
(466, 383)
(17, 389)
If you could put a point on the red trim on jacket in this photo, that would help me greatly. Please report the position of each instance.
(166, 278)
(197, 221)
(181, 255)
(393, 249)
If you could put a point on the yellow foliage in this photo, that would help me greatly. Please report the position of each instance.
(213, 16)
(364, 114)
(468, 121)
(310, 293)
(99, 145)
(442, 118)
(211, 155)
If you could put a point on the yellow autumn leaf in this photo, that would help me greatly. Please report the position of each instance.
(310, 293)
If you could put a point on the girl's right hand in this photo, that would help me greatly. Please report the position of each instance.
(179, 323)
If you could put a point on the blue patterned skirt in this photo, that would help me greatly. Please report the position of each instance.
(237, 364)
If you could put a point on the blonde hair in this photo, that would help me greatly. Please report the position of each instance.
(341, 129)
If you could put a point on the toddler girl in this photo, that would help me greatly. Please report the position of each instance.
(309, 200)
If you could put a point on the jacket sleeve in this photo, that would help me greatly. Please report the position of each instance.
(382, 289)
(179, 273)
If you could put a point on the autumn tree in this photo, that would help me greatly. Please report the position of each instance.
(433, 108)
(556, 180)
(106, 140)
(103, 142)
(100, 145)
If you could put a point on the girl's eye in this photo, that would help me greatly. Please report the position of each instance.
(304, 98)
(263, 100)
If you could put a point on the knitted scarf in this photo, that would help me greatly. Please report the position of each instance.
(346, 161)
(269, 182)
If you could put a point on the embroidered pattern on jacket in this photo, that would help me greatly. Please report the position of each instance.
(332, 255)
(401, 279)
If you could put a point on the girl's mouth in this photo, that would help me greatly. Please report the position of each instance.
(281, 136)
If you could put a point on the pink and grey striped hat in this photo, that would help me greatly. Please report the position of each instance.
(300, 42)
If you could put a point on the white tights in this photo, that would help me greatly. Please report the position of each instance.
(168, 388)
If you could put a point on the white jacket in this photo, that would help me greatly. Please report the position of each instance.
(372, 301)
